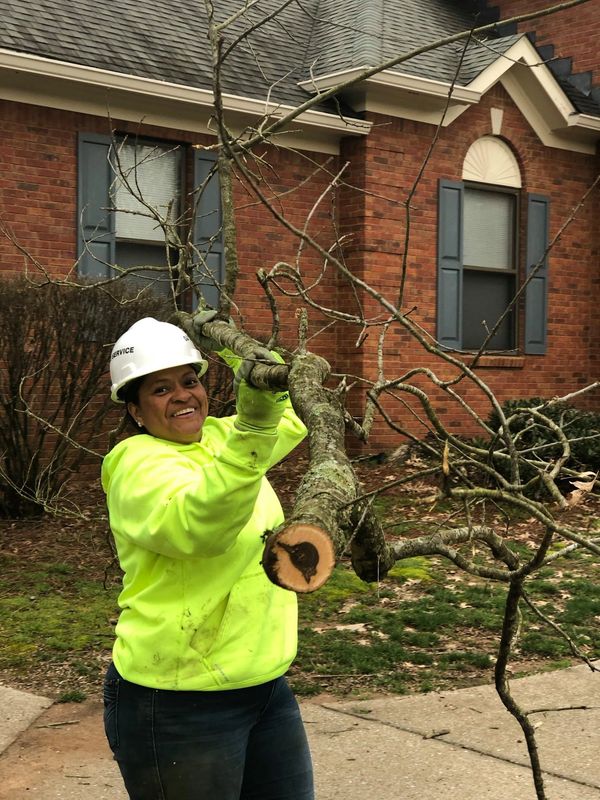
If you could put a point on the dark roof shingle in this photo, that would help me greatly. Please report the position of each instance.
(167, 41)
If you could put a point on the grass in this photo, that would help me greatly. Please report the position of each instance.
(51, 613)
(424, 627)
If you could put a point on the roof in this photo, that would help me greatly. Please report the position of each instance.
(164, 41)
(584, 103)
(167, 41)
(355, 34)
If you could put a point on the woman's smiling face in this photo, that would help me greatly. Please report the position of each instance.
(172, 404)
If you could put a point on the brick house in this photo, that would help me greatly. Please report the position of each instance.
(516, 148)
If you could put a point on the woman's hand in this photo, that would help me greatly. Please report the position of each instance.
(258, 409)
(205, 343)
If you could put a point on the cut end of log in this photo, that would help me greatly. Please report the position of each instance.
(301, 558)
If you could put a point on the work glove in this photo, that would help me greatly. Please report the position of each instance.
(258, 410)
(206, 343)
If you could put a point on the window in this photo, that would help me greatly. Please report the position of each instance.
(489, 264)
(115, 228)
(478, 256)
(145, 174)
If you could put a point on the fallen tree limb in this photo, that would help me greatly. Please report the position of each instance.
(327, 516)
(372, 557)
(442, 544)
(301, 555)
(315, 530)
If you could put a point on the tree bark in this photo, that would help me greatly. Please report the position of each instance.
(322, 509)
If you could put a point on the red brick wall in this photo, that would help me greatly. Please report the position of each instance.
(395, 151)
(293, 189)
(37, 186)
(38, 202)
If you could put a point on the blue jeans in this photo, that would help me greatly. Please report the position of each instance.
(240, 744)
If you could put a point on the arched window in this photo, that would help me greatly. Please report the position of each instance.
(478, 244)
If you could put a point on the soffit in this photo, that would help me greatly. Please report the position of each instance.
(115, 96)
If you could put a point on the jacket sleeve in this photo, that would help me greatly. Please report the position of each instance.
(163, 500)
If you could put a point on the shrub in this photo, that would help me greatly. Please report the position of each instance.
(537, 441)
(55, 343)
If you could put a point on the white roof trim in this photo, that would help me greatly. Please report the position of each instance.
(584, 121)
(529, 82)
(164, 90)
(523, 53)
(399, 80)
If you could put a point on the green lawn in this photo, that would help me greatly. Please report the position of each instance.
(425, 626)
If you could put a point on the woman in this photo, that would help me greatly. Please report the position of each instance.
(196, 702)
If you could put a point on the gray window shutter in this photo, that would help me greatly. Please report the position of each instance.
(450, 263)
(207, 227)
(536, 293)
(95, 221)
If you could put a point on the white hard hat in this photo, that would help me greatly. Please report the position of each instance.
(148, 346)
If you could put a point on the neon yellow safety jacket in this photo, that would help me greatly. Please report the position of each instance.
(197, 610)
